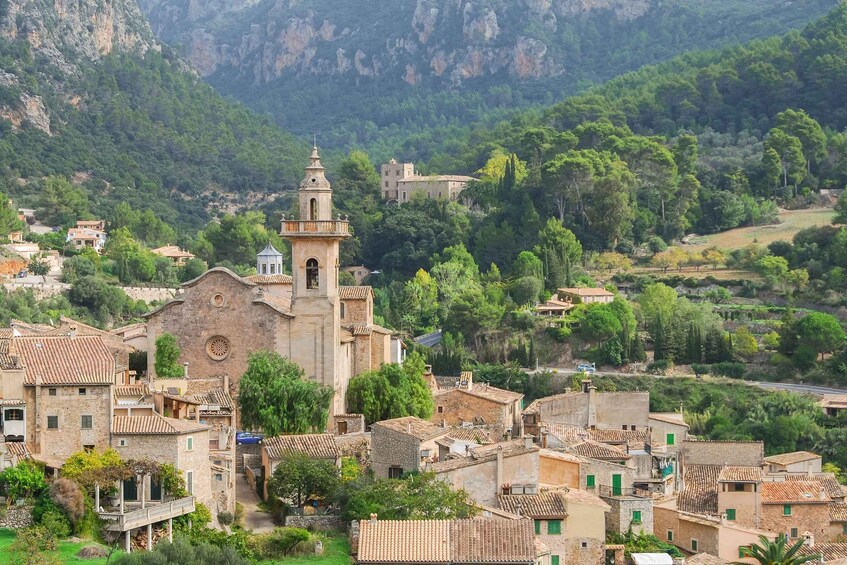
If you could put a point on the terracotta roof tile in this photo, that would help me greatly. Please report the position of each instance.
(65, 360)
(597, 450)
(828, 481)
(794, 492)
(831, 551)
(576, 434)
(354, 292)
(545, 505)
(446, 541)
(319, 446)
(740, 475)
(669, 418)
(578, 496)
(561, 456)
(154, 425)
(483, 454)
(17, 449)
(420, 429)
(838, 512)
(270, 279)
(535, 406)
(130, 390)
(486, 392)
(700, 489)
(792, 457)
(477, 435)
(705, 559)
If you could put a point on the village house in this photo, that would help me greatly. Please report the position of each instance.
(558, 469)
(510, 467)
(478, 404)
(794, 462)
(404, 445)
(832, 404)
(795, 507)
(570, 523)
(460, 440)
(328, 330)
(400, 182)
(586, 295)
(359, 273)
(88, 233)
(175, 254)
(316, 446)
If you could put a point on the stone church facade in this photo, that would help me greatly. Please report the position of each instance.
(220, 318)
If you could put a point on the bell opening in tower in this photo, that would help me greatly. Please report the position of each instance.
(312, 273)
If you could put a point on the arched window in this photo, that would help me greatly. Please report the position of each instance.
(312, 273)
(273, 266)
(313, 209)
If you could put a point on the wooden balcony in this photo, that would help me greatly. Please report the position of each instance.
(152, 513)
(317, 228)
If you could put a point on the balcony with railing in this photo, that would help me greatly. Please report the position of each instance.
(133, 517)
(317, 228)
(621, 492)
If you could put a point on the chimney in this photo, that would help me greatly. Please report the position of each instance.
(586, 384)
(373, 517)
(185, 370)
(499, 477)
(809, 539)
(409, 428)
(72, 331)
(544, 439)
(469, 376)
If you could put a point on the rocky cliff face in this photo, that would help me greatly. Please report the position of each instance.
(63, 35)
(444, 40)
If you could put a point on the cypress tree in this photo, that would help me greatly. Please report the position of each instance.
(659, 340)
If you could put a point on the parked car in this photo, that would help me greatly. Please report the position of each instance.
(248, 438)
(586, 368)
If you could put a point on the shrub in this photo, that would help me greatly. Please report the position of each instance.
(67, 494)
(32, 545)
(57, 523)
(24, 481)
(225, 518)
(560, 334)
(660, 367)
(728, 369)
(700, 369)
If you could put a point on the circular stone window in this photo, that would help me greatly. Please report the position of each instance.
(218, 347)
(218, 300)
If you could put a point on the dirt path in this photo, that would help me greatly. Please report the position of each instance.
(258, 522)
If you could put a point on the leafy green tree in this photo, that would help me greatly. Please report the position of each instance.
(392, 391)
(192, 269)
(420, 301)
(820, 332)
(275, 396)
(167, 364)
(600, 323)
(84, 466)
(778, 552)
(287, 539)
(61, 203)
(35, 545)
(561, 253)
(774, 269)
(475, 315)
(299, 478)
(805, 128)
(790, 152)
(419, 496)
(744, 343)
(39, 266)
(841, 209)
(23, 481)
(526, 290)
(656, 301)
(235, 238)
(9, 220)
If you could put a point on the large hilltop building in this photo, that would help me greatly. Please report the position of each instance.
(219, 318)
(400, 181)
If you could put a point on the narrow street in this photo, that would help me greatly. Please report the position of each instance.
(255, 520)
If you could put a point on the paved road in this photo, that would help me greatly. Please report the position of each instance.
(792, 387)
(430, 339)
(258, 522)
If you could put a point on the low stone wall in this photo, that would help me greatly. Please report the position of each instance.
(16, 517)
(319, 523)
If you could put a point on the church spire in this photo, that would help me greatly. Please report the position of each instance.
(315, 178)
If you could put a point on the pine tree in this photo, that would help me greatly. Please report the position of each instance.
(659, 340)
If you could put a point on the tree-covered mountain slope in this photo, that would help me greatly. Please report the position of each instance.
(87, 93)
(380, 71)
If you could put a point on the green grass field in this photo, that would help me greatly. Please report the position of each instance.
(336, 552)
(66, 554)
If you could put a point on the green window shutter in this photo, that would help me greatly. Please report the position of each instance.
(589, 481)
(554, 560)
(554, 527)
(669, 439)
(730, 513)
(636, 516)
(694, 545)
(670, 535)
(844, 529)
(786, 510)
(537, 527)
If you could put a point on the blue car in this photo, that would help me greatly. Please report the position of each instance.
(248, 438)
(586, 368)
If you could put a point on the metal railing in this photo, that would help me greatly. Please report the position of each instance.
(613, 492)
(334, 227)
(148, 515)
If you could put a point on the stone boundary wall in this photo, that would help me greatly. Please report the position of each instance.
(49, 290)
(320, 523)
(16, 517)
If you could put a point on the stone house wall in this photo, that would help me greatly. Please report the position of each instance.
(357, 311)
(664, 520)
(619, 518)
(812, 518)
(454, 407)
(738, 453)
(481, 480)
(603, 471)
(393, 449)
(706, 536)
(69, 405)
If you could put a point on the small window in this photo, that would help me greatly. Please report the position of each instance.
(52, 422)
(343, 311)
(82, 392)
(313, 210)
(538, 527)
(670, 439)
(730, 513)
(386, 184)
(123, 442)
(264, 269)
(14, 415)
(623, 427)
(441, 410)
(273, 267)
(189, 443)
(694, 545)
(636, 516)
(738, 487)
(793, 533)
(786, 510)
(219, 476)
(844, 529)
(554, 527)
(670, 535)
(554, 560)
(88, 448)
(51, 391)
(589, 481)
(189, 481)
(395, 472)
(632, 428)
(87, 422)
(312, 270)
(584, 545)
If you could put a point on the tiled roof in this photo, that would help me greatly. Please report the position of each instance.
(561, 456)
(320, 446)
(576, 434)
(130, 390)
(65, 360)
(838, 512)
(271, 279)
(216, 397)
(831, 551)
(700, 489)
(281, 305)
(792, 457)
(740, 475)
(154, 425)
(446, 541)
(477, 435)
(794, 492)
(12, 402)
(17, 449)
(705, 559)
(578, 496)
(597, 450)
(544, 505)
(535, 406)
(483, 454)
(828, 481)
(669, 418)
(354, 292)
(487, 392)
(586, 291)
(420, 429)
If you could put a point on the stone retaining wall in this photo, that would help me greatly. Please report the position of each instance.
(320, 523)
(16, 517)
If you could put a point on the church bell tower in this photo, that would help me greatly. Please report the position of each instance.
(315, 238)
